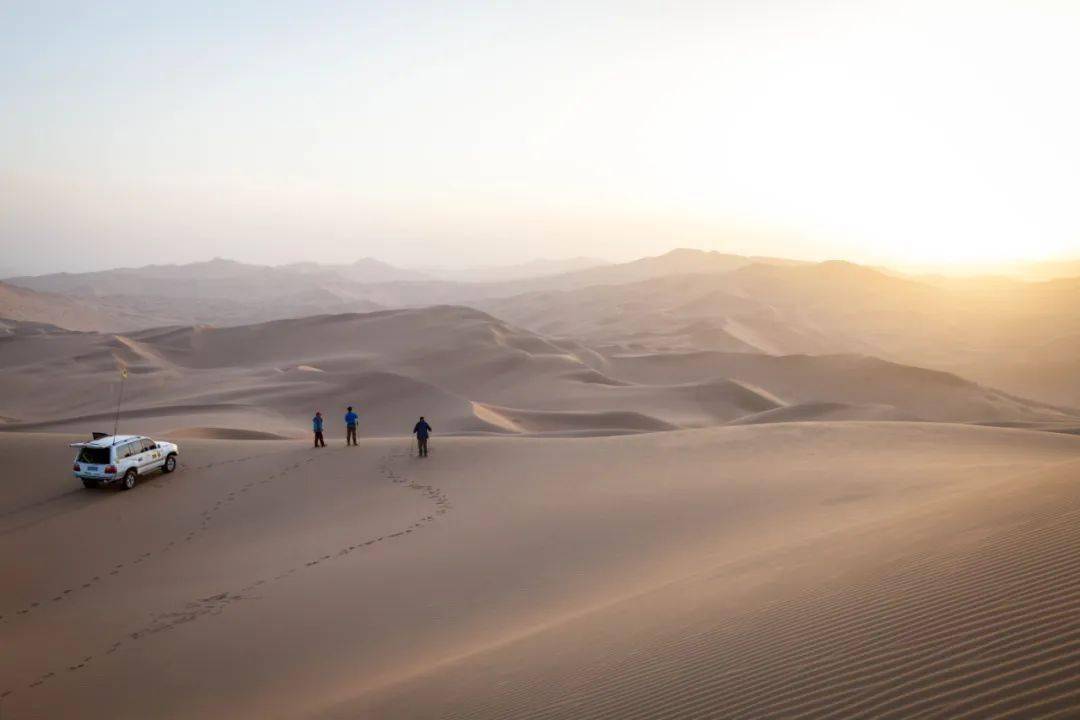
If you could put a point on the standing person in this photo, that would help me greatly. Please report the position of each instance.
(316, 425)
(350, 427)
(422, 430)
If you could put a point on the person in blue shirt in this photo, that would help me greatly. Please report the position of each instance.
(422, 430)
(316, 425)
(350, 427)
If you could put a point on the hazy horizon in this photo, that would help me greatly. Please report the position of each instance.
(431, 135)
(1005, 268)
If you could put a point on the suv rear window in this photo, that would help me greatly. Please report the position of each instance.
(94, 456)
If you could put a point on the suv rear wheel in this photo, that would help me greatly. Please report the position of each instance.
(170, 464)
(129, 479)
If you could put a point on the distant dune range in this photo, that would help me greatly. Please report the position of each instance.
(1021, 337)
(464, 369)
(225, 292)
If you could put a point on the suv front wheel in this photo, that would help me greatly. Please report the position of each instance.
(170, 464)
(129, 479)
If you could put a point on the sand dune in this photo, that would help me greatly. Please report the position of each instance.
(217, 292)
(815, 411)
(811, 569)
(23, 305)
(440, 362)
(1006, 333)
(998, 331)
(213, 433)
(539, 421)
(916, 393)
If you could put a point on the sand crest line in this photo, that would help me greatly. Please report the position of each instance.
(216, 604)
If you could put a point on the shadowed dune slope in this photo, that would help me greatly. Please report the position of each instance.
(538, 421)
(914, 392)
(213, 433)
(816, 411)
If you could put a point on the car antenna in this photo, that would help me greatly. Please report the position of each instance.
(119, 401)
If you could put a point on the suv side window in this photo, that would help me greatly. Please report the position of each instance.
(129, 449)
(147, 444)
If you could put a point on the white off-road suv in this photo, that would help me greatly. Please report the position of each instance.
(124, 458)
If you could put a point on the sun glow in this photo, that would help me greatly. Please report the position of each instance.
(876, 131)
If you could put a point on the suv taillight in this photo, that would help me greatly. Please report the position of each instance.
(111, 470)
(76, 467)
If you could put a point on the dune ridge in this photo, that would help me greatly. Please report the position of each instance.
(443, 362)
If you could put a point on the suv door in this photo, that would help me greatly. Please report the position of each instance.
(151, 457)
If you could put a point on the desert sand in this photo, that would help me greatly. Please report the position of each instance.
(766, 489)
(785, 570)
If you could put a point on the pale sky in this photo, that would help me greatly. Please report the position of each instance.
(468, 133)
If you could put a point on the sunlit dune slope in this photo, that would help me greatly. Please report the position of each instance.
(1003, 332)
